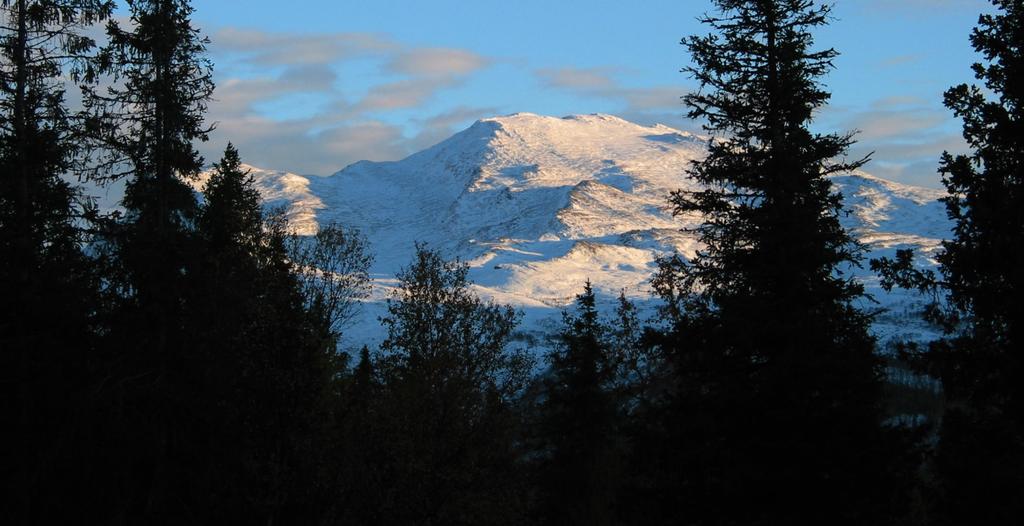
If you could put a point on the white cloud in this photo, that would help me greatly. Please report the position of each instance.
(408, 93)
(905, 136)
(427, 72)
(439, 127)
(899, 60)
(292, 146)
(643, 105)
(279, 100)
(577, 78)
(266, 48)
(601, 83)
(919, 8)
(876, 125)
(437, 62)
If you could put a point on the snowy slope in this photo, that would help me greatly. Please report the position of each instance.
(538, 204)
(282, 191)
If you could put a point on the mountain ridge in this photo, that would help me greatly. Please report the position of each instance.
(538, 204)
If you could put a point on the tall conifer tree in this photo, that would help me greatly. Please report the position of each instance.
(979, 457)
(980, 454)
(270, 361)
(778, 404)
(146, 122)
(48, 291)
(580, 422)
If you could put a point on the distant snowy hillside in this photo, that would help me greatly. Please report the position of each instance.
(283, 191)
(538, 204)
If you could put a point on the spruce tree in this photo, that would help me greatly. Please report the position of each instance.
(580, 422)
(143, 127)
(980, 453)
(230, 255)
(269, 361)
(777, 409)
(225, 295)
(359, 476)
(231, 219)
(147, 122)
(49, 291)
(978, 461)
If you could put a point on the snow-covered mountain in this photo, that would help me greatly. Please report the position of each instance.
(536, 205)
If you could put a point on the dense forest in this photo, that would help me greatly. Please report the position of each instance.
(178, 361)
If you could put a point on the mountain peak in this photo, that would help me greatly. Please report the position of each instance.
(533, 117)
(526, 121)
(537, 204)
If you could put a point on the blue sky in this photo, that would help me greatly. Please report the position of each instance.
(313, 85)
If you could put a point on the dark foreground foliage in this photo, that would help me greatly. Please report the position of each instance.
(978, 461)
(180, 361)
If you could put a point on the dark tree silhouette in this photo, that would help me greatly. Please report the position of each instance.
(143, 127)
(444, 449)
(268, 363)
(146, 124)
(334, 271)
(582, 451)
(777, 411)
(47, 283)
(979, 460)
